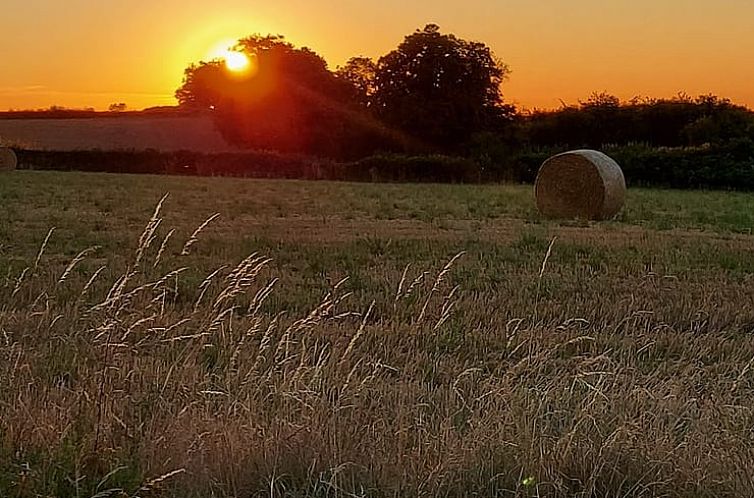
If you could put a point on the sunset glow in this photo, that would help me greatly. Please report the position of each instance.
(557, 51)
(236, 61)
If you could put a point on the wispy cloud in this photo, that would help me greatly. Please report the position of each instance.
(17, 90)
(40, 89)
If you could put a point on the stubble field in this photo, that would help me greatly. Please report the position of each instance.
(333, 339)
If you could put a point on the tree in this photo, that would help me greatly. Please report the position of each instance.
(440, 88)
(203, 85)
(290, 102)
(675, 122)
(360, 72)
(118, 107)
(601, 100)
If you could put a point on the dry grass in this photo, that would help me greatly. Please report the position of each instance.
(606, 362)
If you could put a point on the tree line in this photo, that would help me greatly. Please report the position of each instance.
(434, 93)
(430, 110)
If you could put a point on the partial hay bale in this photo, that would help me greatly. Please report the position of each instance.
(584, 184)
(8, 160)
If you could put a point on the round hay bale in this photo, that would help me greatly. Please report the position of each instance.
(582, 184)
(8, 160)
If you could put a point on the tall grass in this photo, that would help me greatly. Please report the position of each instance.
(124, 380)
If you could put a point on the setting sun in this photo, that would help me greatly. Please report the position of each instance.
(236, 61)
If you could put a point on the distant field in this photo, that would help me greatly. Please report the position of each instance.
(165, 133)
(475, 349)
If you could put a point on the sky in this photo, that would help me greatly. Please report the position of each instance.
(87, 53)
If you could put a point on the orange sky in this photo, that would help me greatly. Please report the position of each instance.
(81, 53)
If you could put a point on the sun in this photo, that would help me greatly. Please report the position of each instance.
(237, 62)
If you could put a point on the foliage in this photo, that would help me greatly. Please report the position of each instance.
(416, 169)
(118, 107)
(259, 164)
(440, 88)
(361, 73)
(431, 93)
(602, 120)
(290, 101)
(725, 166)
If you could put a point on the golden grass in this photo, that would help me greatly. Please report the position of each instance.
(145, 376)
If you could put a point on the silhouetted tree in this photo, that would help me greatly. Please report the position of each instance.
(203, 85)
(440, 88)
(119, 107)
(603, 120)
(360, 72)
(601, 100)
(290, 101)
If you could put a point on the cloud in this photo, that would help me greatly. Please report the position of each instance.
(22, 90)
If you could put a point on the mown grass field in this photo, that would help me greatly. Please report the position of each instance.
(473, 350)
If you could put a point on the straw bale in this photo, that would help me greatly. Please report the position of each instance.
(584, 184)
(8, 160)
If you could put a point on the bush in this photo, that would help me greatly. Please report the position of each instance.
(728, 166)
(258, 164)
(725, 166)
(141, 162)
(416, 169)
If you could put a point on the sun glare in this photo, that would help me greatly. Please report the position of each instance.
(236, 61)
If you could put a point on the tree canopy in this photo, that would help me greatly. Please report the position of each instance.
(361, 73)
(604, 120)
(433, 92)
(289, 101)
(440, 88)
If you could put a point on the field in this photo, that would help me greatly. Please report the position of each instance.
(382, 340)
(164, 133)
